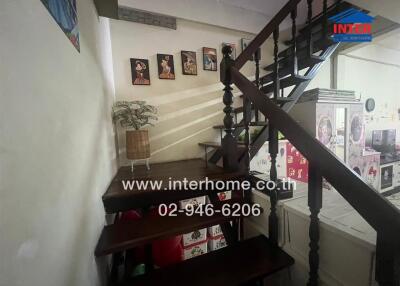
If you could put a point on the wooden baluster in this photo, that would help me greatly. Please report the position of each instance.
(388, 258)
(257, 62)
(273, 150)
(309, 19)
(246, 119)
(293, 15)
(315, 204)
(229, 142)
(325, 21)
(276, 64)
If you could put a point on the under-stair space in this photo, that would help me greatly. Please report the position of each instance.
(264, 106)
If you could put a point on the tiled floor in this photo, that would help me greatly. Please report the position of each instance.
(395, 199)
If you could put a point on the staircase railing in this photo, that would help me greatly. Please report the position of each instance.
(373, 207)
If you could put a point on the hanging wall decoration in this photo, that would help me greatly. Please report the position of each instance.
(65, 14)
(244, 43)
(209, 59)
(189, 63)
(233, 46)
(140, 72)
(165, 66)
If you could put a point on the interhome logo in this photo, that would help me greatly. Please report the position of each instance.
(352, 25)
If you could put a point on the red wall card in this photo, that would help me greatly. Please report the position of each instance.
(297, 165)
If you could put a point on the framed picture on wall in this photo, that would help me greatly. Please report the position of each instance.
(244, 43)
(233, 46)
(209, 59)
(65, 14)
(140, 72)
(189, 63)
(165, 65)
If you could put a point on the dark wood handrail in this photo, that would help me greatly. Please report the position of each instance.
(248, 53)
(371, 205)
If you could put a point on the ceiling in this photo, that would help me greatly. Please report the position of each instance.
(387, 8)
(249, 15)
(391, 41)
(268, 8)
(245, 15)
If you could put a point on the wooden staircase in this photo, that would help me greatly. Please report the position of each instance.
(261, 255)
(308, 58)
(247, 262)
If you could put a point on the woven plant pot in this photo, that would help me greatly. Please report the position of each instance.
(137, 144)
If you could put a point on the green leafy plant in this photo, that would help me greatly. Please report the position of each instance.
(133, 114)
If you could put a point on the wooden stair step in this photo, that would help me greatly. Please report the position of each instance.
(317, 21)
(127, 235)
(239, 109)
(286, 66)
(210, 144)
(234, 265)
(281, 99)
(318, 45)
(257, 123)
(116, 198)
(285, 82)
(284, 189)
(218, 144)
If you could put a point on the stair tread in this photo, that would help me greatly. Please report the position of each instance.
(126, 235)
(233, 265)
(239, 109)
(116, 198)
(285, 82)
(210, 144)
(287, 64)
(316, 22)
(218, 144)
(318, 44)
(281, 99)
(258, 123)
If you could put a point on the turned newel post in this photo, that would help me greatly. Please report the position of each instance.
(229, 143)
(273, 150)
(273, 217)
(315, 204)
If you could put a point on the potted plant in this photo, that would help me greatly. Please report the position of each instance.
(134, 115)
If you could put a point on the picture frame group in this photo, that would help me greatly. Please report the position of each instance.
(140, 68)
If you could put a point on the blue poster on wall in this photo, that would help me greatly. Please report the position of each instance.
(65, 14)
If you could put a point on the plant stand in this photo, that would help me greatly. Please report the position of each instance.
(147, 164)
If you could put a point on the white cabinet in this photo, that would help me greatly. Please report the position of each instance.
(335, 118)
(396, 180)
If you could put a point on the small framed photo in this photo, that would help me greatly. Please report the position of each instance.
(189, 63)
(166, 68)
(244, 43)
(209, 59)
(140, 72)
(233, 46)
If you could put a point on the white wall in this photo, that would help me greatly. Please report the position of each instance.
(57, 152)
(214, 12)
(374, 72)
(189, 105)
